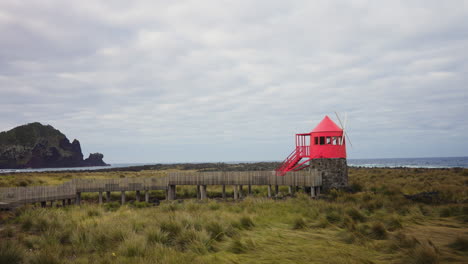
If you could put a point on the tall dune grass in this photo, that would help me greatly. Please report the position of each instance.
(373, 224)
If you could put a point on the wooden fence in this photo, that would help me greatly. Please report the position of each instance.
(12, 197)
(300, 178)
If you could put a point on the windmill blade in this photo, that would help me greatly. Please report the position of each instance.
(343, 126)
(339, 120)
(347, 138)
(345, 123)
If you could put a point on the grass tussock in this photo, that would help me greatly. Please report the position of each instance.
(423, 254)
(11, 252)
(372, 222)
(460, 244)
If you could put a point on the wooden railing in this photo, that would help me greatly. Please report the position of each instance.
(12, 197)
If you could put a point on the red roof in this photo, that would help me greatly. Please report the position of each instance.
(326, 125)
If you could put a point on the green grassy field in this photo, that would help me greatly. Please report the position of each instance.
(374, 223)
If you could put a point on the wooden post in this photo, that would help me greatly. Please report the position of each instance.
(250, 189)
(269, 191)
(198, 192)
(51, 203)
(203, 192)
(108, 196)
(122, 196)
(43, 204)
(236, 192)
(318, 191)
(312, 192)
(100, 197)
(78, 198)
(64, 203)
(171, 194)
(69, 201)
(137, 196)
(224, 191)
(147, 196)
(276, 189)
(290, 189)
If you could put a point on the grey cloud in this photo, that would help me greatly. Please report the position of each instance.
(223, 80)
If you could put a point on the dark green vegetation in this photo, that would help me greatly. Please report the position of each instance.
(372, 223)
(37, 146)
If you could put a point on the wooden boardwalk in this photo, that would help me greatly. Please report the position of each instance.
(17, 196)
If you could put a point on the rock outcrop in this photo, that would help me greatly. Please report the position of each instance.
(37, 146)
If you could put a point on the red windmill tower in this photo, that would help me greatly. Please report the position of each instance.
(326, 141)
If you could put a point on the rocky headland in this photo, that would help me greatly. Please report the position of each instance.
(41, 146)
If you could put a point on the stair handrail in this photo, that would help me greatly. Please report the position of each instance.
(286, 161)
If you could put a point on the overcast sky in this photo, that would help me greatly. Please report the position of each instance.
(191, 81)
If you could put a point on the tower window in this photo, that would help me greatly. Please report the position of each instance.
(316, 140)
(328, 140)
(322, 140)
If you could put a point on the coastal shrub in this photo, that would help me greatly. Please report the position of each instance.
(64, 235)
(214, 206)
(26, 223)
(348, 223)
(41, 223)
(216, 230)
(93, 212)
(334, 194)
(10, 252)
(460, 244)
(45, 257)
(393, 223)
(170, 207)
(402, 241)
(246, 222)
(423, 254)
(138, 226)
(134, 247)
(141, 204)
(7, 232)
(155, 235)
(355, 187)
(112, 206)
(299, 223)
(172, 227)
(347, 237)
(333, 217)
(23, 183)
(321, 223)
(203, 244)
(184, 239)
(378, 231)
(237, 246)
(108, 235)
(356, 214)
(31, 242)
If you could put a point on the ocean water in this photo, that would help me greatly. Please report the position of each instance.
(117, 165)
(442, 162)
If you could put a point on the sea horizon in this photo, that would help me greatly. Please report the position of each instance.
(413, 162)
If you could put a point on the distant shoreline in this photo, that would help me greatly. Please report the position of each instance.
(208, 166)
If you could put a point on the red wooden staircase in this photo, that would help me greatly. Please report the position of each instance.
(293, 161)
